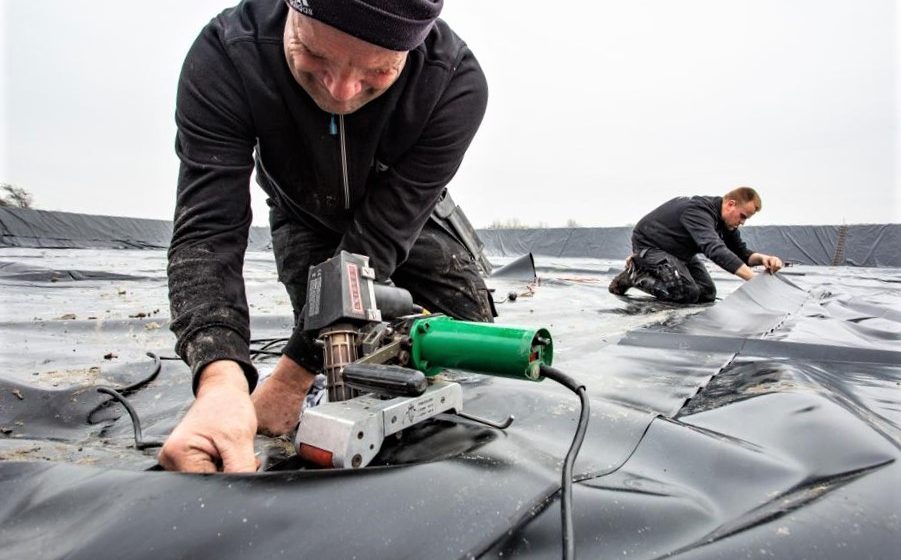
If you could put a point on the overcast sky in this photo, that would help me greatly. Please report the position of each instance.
(598, 110)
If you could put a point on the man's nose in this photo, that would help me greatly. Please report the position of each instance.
(342, 86)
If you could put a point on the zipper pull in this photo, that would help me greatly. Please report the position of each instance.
(332, 127)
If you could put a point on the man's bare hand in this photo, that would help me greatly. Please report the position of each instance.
(771, 263)
(279, 400)
(218, 430)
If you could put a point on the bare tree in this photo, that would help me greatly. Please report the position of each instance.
(14, 197)
(514, 223)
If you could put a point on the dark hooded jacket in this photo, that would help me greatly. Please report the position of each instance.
(684, 227)
(372, 176)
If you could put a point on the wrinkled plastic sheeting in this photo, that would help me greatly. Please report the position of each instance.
(522, 268)
(602, 243)
(716, 430)
(790, 449)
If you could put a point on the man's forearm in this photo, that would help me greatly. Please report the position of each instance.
(744, 272)
(756, 259)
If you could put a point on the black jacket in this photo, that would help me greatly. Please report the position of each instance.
(684, 227)
(373, 176)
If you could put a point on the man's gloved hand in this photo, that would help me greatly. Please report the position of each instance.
(279, 399)
(218, 430)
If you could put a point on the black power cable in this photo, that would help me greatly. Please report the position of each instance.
(566, 490)
(157, 366)
(267, 344)
(140, 444)
(126, 389)
(118, 395)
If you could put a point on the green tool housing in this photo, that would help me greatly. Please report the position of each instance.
(441, 342)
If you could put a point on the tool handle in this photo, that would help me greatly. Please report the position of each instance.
(394, 381)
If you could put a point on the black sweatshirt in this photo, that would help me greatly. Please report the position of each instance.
(684, 227)
(373, 176)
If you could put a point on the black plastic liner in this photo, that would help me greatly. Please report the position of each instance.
(865, 245)
(766, 424)
(869, 245)
(26, 227)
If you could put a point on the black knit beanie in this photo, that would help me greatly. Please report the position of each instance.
(397, 25)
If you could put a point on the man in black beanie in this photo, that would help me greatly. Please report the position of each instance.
(355, 114)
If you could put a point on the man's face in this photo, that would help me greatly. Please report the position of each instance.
(735, 214)
(340, 72)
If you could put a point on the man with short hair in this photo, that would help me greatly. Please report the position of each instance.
(666, 244)
(355, 114)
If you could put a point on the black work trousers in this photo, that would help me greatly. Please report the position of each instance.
(669, 278)
(440, 273)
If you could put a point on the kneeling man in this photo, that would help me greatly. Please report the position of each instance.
(666, 243)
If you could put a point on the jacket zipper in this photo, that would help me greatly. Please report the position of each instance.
(340, 132)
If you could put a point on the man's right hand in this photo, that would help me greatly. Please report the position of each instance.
(279, 399)
(218, 430)
(744, 272)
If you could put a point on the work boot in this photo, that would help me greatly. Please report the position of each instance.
(622, 281)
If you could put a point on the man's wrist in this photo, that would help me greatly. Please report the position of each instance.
(292, 374)
(222, 373)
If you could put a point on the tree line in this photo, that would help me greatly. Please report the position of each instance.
(12, 196)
